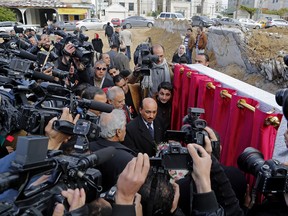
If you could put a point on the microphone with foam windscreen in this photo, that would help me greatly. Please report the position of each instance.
(96, 158)
(24, 54)
(95, 105)
(42, 76)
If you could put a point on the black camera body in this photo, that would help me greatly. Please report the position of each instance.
(271, 175)
(144, 58)
(194, 126)
(84, 50)
(174, 157)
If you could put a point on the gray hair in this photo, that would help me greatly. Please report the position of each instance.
(110, 122)
(113, 91)
(99, 62)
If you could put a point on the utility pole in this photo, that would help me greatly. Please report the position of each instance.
(138, 7)
(237, 8)
(202, 7)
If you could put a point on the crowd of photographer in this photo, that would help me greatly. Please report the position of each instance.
(102, 125)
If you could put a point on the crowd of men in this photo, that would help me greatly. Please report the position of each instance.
(136, 127)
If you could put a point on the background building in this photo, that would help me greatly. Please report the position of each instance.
(40, 11)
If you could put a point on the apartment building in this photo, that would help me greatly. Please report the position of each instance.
(39, 11)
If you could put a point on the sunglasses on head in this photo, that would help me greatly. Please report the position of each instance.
(99, 68)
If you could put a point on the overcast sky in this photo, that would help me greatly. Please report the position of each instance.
(225, 3)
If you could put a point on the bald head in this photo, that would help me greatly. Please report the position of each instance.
(148, 109)
(159, 51)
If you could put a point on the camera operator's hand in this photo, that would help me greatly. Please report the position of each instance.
(69, 49)
(211, 134)
(131, 179)
(201, 167)
(56, 138)
(76, 199)
(48, 71)
(135, 75)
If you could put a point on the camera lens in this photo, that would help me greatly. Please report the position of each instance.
(281, 98)
(250, 160)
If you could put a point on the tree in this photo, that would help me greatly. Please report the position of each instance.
(7, 14)
(249, 10)
(282, 12)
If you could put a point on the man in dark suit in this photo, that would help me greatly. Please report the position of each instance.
(113, 130)
(145, 132)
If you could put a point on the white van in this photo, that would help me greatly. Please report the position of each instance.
(171, 15)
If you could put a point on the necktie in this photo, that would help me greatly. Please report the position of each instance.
(151, 130)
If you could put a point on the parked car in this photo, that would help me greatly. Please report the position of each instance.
(216, 21)
(69, 26)
(249, 23)
(276, 23)
(262, 23)
(91, 24)
(137, 21)
(9, 25)
(230, 22)
(171, 15)
(201, 21)
(116, 21)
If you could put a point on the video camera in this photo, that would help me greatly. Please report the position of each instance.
(84, 50)
(194, 126)
(50, 99)
(144, 58)
(174, 157)
(64, 172)
(271, 176)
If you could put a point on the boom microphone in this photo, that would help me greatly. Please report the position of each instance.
(95, 105)
(97, 158)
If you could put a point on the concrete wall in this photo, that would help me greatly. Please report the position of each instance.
(172, 25)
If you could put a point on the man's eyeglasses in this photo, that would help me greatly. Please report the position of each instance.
(103, 69)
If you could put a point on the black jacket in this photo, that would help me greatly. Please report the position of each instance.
(108, 31)
(139, 139)
(97, 45)
(220, 185)
(111, 169)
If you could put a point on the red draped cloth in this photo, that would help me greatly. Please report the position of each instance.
(239, 131)
(264, 135)
(194, 86)
(221, 112)
(206, 98)
(175, 119)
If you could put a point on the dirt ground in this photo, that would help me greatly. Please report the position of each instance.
(262, 44)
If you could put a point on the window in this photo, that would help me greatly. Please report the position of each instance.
(167, 15)
(122, 3)
(131, 6)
